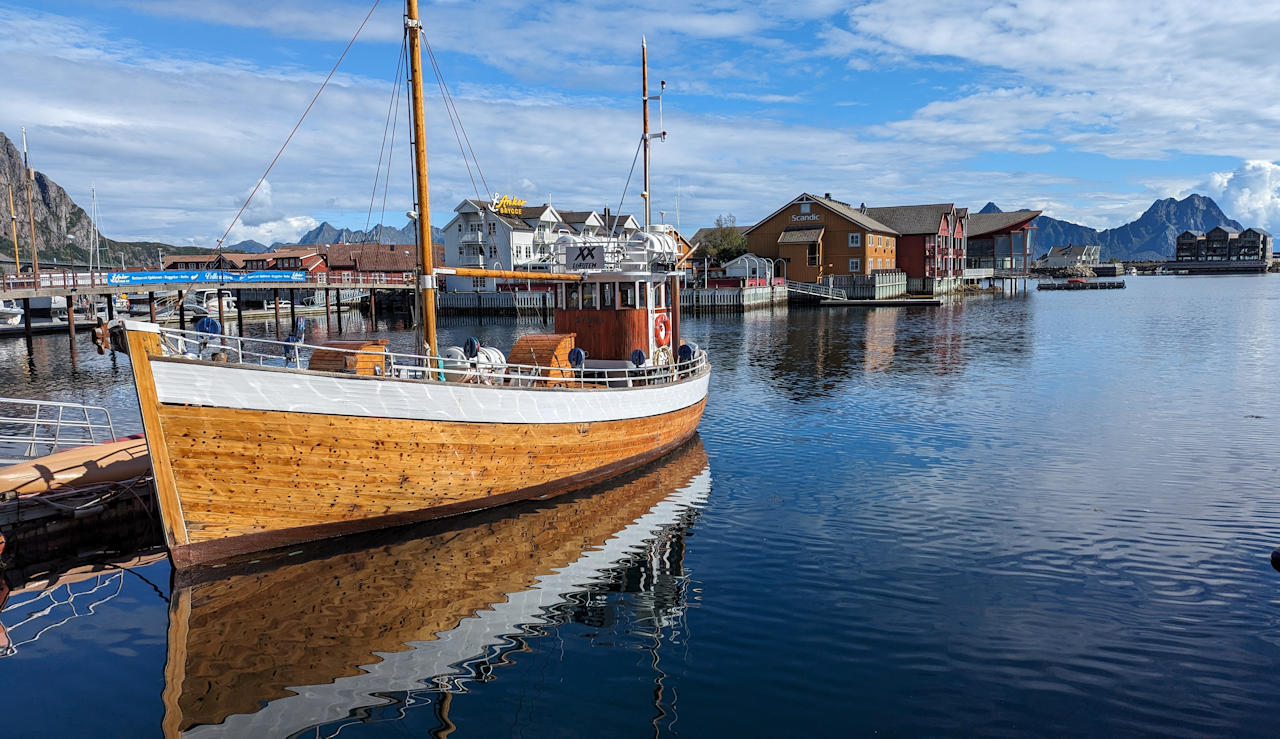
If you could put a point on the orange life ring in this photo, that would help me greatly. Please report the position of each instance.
(662, 329)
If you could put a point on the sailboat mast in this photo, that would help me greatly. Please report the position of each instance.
(644, 92)
(427, 280)
(13, 227)
(31, 212)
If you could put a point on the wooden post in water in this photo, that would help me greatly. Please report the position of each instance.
(327, 318)
(222, 318)
(151, 305)
(239, 313)
(111, 306)
(275, 304)
(182, 310)
(339, 311)
(26, 322)
(373, 310)
(71, 323)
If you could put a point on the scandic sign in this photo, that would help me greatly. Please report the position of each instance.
(202, 275)
(809, 217)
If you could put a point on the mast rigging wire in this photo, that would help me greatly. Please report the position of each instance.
(299, 123)
(382, 150)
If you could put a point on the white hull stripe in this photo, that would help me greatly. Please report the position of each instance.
(248, 388)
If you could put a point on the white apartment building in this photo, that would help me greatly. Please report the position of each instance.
(481, 235)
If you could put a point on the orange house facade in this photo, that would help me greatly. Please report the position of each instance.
(818, 236)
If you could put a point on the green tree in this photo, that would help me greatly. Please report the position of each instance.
(725, 242)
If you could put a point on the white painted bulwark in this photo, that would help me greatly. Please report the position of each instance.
(188, 382)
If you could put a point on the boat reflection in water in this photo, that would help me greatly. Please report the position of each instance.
(307, 643)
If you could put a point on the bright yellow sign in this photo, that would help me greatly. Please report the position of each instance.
(508, 206)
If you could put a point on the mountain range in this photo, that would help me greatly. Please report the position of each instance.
(326, 233)
(1149, 238)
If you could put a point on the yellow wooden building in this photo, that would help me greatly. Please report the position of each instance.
(819, 236)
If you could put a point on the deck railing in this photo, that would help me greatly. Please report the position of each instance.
(484, 370)
(34, 428)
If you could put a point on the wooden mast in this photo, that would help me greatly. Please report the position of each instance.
(31, 213)
(428, 278)
(13, 226)
(644, 93)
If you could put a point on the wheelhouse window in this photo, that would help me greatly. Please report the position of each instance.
(627, 295)
(589, 295)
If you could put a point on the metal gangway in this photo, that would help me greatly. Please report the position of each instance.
(822, 291)
(35, 428)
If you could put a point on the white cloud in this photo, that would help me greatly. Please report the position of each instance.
(1250, 194)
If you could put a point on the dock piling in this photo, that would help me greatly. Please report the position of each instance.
(151, 305)
(328, 320)
(182, 310)
(275, 304)
(26, 322)
(71, 323)
(239, 313)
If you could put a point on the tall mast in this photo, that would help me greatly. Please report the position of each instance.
(427, 281)
(644, 91)
(13, 228)
(31, 213)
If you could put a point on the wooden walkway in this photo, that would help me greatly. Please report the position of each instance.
(1087, 285)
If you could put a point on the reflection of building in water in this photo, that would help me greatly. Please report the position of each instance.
(881, 338)
(405, 622)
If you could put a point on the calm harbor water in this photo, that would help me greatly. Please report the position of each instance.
(1044, 514)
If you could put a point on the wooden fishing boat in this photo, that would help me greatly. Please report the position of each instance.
(258, 444)
(302, 641)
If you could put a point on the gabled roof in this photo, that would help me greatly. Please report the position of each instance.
(1257, 230)
(516, 223)
(981, 224)
(1189, 232)
(844, 210)
(700, 236)
(1224, 229)
(538, 212)
(913, 219)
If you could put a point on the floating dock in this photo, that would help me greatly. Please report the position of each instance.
(883, 303)
(1084, 285)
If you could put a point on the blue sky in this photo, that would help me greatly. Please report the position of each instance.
(1087, 110)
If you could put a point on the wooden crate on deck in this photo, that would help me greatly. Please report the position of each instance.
(544, 350)
(332, 360)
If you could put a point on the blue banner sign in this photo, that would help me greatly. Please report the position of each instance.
(202, 275)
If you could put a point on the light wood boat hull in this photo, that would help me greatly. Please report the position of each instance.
(234, 480)
(293, 642)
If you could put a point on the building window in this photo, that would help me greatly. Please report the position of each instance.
(804, 207)
(855, 266)
(813, 255)
(459, 228)
(855, 239)
(492, 226)
(477, 283)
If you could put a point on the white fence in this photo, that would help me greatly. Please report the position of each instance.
(879, 285)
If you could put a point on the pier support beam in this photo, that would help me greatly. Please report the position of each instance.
(151, 305)
(328, 325)
(26, 322)
(275, 303)
(71, 323)
(182, 310)
(239, 313)
(222, 319)
(339, 311)
(373, 310)
(111, 306)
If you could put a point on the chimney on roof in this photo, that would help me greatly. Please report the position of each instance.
(827, 196)
(862, 208)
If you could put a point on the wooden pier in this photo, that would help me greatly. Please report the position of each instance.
(1081, 285)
